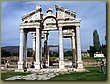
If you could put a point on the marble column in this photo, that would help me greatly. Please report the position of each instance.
(61, 52)
(78, 45)
(41, 50)
(48, 55)
(45, 50)
(33, 48)
(33, 44)
(21, 50)
(73, 50)
(37, 60)
(25, 50)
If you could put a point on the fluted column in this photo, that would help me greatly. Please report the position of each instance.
(34, 44)
(45, 49)
(37, 60)
(21, 50)
(25, 49)
(79, 58)
(48, 55)
(61, 52)
(73, 50)
(41, 64)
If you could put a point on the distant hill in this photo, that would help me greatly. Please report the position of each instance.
(12, 49)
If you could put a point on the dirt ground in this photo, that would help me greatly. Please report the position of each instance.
(13, 61)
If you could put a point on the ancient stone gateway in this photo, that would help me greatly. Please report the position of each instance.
(39, 24)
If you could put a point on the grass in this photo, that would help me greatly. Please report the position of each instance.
(94, 74)
(9, 73)
(93, 58)
(86, 58)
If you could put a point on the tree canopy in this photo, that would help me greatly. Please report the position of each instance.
(96, 41)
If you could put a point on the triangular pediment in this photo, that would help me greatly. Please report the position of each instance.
(64, 13)
(34, 15)
(29, 14)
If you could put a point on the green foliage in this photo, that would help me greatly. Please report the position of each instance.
(97, 47)
(96, 41)
(5, 53)
(53, 54)
(92, 51)
(29, 53)
(103, 49)
(14, 53)
(68, 53)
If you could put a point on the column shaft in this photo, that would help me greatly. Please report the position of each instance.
(41, 49)
(25, 49)
(45, 50)
(79, 58)
(37, 61)
(34, 45)
(21, 49)
(48, 56)
(73, 51)
(61, 52)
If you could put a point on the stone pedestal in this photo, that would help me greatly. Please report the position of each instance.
(20, 65)
(61, 65)
(80, 64)
(37, 65)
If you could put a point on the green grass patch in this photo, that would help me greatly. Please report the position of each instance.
(94, 74)
(93, 58)
(9, 73)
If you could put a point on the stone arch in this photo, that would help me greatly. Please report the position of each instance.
(51, 17)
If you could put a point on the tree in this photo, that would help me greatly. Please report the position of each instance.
(103, 50)
(96, 41)
(5, 53)
(68, 53)
(29, 53)
(91, 51)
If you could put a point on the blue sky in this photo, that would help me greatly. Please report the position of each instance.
(92, 14)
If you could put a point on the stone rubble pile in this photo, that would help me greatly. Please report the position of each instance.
(43, 74)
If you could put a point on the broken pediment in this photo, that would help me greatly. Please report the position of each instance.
(64, 14)
(33, 15)
(49, 21)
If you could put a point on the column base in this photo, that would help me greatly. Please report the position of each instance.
(20, 65)
(61, 65)
(73, 64)
(80, 65)
(37, 65)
